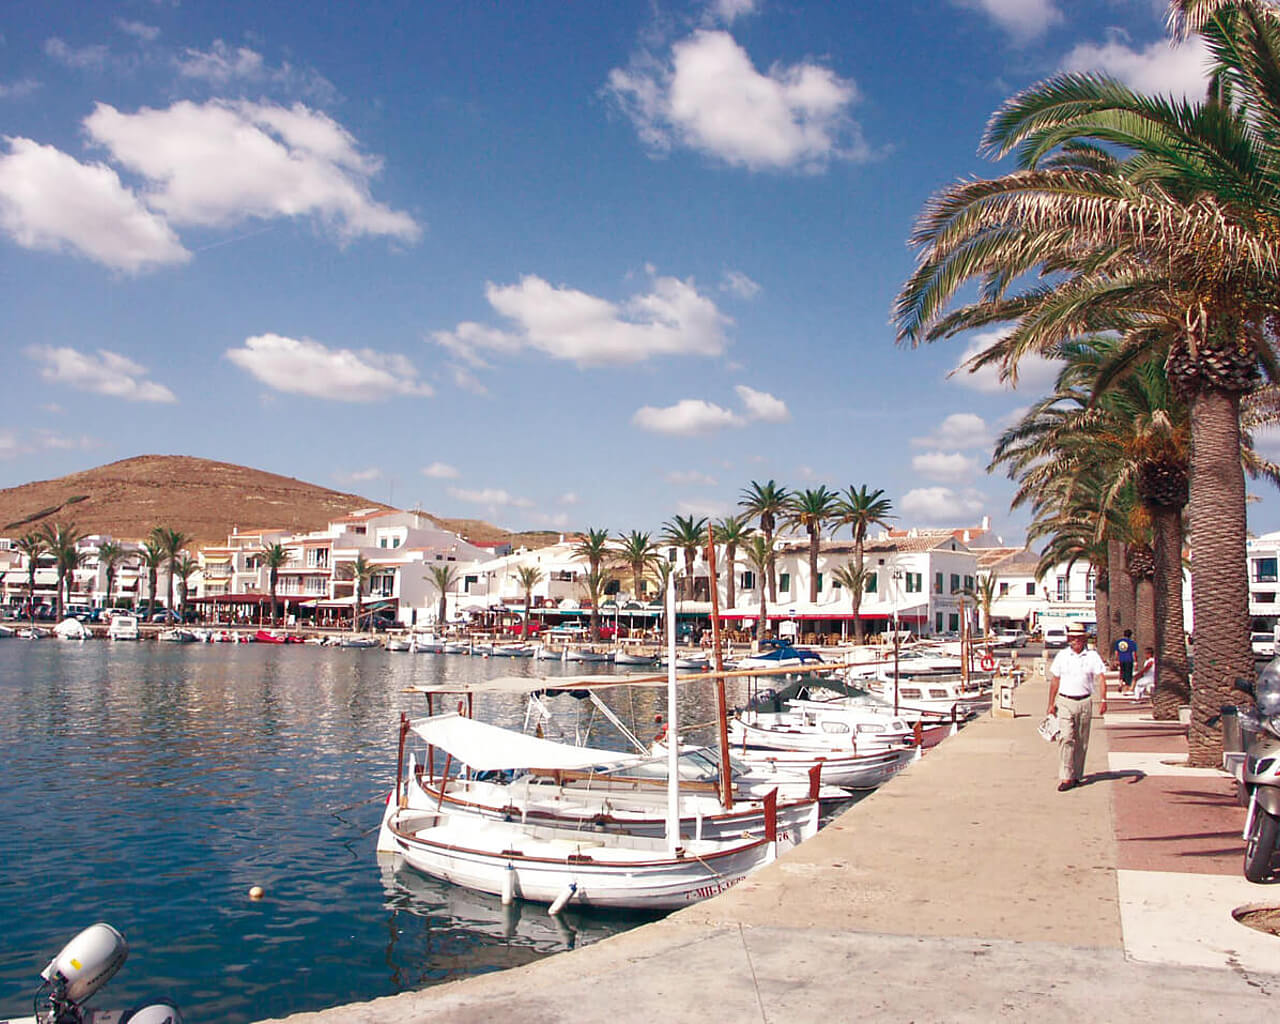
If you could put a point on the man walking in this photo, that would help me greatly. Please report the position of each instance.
(1076, 676)
(1126, 649)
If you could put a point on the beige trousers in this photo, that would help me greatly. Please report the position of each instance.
(1074, 718)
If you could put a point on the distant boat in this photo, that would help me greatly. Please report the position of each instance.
(177, 636)
(357, 641)
(70, 629)
(123, 627)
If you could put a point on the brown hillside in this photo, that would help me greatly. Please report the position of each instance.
(200, 497)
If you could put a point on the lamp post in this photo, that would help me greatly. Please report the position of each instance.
(897, 638)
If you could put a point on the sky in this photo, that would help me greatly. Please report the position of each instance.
(553, 265)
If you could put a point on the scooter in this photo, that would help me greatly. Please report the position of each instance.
(1260, 726)
(85, 964)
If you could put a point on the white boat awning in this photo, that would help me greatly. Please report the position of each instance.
(489, 748)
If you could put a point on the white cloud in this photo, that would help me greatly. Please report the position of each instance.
(51, 201)
(1035, 373)
(1160, 68)
(570, 498)
(709, 97)
(441, 471)
(220, 163)
(84, 58)
(684, 478)
(762, 406)
(552, 520)
(361, 475)
(960, 430)
(1024, 20)
(932, 506)
(737, 283)
(107, 373)
(700, 509)
(686, 418)
(16, 90)
(223, 67)
(13, 445)
(493, 496)
(673, 318)
(728, 11)
(139, 30)
(951, 466)
(306, 367)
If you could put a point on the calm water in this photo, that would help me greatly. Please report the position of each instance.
(151, 785)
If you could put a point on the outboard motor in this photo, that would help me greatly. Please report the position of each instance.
(1262, 776)
(84, 965)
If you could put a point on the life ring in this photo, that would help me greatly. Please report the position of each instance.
(988, 663)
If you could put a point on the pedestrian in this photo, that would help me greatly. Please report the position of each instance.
(1146, 681)
(1125, 650)
(1076, 676)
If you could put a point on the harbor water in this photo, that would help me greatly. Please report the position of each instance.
(152, 785)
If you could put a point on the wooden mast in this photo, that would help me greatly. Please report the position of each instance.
(722, 711)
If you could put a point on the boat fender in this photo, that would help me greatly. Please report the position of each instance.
(509, 885)
(566, 894)
(662, 734)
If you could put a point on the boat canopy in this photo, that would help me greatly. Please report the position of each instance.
(490, 748)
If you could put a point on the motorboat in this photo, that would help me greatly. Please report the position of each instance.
(947, 694)
(512, 650)
(574, 652)
(782, 656)
(638, 657)
(357, 641)
(426, 643)
(177, 635)
(848, 770)
(123, 627)
(398, 643)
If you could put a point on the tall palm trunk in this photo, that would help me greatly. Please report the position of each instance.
(1219, 582)
(1122, 597)
(1144, 635)
(1102, 608)
(856, 596)
(1172, 686)
(814, 542)
(730, 590)
(770, 575)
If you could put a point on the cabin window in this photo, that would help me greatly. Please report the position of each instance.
(939, 694)
(909, 693)
(835, 727)
(784, 582)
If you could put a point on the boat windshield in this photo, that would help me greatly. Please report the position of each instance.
(697, 764)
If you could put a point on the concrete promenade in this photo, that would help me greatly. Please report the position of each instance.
(968, 889)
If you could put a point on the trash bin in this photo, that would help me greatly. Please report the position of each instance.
(1232, 734)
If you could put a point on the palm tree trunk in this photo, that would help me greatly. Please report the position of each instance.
(762, 623)
(1102, 611)
(813, 566)
(1145, 601)
(730, 591)
(858, 632)
(1172, 686)
(1122, 611)
(769, 573)
(1219, 581)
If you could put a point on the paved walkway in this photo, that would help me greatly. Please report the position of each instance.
(968, 889)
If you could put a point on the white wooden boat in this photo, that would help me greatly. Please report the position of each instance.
(622, 656)
(575, 653)
(512, 650)
(398, 643)
(357, 641)
(177, 635)
(426, 643)
(628, 797)
(849, 770)
(946, 694)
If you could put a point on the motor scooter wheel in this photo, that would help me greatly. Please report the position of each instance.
(1260, 848)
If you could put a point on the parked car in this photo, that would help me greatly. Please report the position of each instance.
(1054, 637)
(1263, 644)
(166, 615)
(1012, 637)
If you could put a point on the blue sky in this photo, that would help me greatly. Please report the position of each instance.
(552, 265)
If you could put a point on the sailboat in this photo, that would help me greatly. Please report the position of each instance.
(558, 865)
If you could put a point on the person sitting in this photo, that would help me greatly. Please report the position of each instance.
(1144, 685)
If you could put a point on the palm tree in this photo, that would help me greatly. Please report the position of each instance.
(61, 542)
(31, 546)
(759, 555)
(274, 557)
(529, 576)
(731, 531)
(767, 502)
(110, 554)
(1173, 227)
(594, 547)
(853, 578)
(985, 591)
(153, 557)
(812, 509)
(171, 542)
(186, 568)
(637, 551)
(687, 534)
(442, 577)
(662, 570)
(360, 572)
(861, 509)
(593, 582)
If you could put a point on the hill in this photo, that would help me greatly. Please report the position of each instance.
(200, 497)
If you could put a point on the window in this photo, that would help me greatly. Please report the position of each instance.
(937, 623)
(1264, 570)
(1031, 589)
(748, 580)
(1004, 590)
(872, 582)
(1089, 589)
(954, 622)
(784, 582)
(955, 582)
(468, 582)
(820, 583)
(1063, 589)
(914, 581)
(937, 583)
(968, 584)
(1268, 597)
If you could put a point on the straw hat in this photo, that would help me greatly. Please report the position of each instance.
(1076, 629)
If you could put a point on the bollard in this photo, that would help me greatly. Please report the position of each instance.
(1002, 705)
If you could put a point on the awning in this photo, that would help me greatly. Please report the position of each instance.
(488, 748)
(218, 560)
(367, 603)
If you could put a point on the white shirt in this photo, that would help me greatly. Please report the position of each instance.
(1077, 673)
